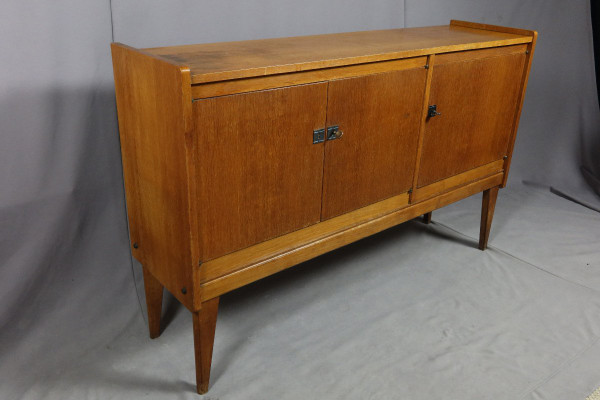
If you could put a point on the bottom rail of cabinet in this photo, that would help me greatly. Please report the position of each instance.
(267, 258)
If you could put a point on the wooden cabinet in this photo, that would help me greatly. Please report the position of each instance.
(242, 159)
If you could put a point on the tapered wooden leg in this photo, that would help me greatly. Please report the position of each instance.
(427, 218)
(487, 214)
(205, 322)
(154, 295)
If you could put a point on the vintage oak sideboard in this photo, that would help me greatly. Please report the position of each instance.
(242, 159)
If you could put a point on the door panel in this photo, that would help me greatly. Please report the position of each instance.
(379, 116)
(260, 175)
(477, 100)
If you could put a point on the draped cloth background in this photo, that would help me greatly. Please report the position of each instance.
(414, 312)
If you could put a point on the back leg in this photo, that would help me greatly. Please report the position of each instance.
(154, 295)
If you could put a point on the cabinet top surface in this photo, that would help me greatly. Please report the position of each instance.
(233, 60)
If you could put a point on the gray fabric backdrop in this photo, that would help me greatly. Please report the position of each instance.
(68, 285)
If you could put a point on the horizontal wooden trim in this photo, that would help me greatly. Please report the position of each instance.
(479, 54)
(312, 248)
(425, 192)
(235, 86)
(230, 262)
(224, 88)
(495, 28)
(310, 66)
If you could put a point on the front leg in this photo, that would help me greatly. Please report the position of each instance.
(487, 214)
(205, 322)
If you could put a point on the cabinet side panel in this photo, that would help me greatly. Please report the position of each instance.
(151, 104)
(524, 80)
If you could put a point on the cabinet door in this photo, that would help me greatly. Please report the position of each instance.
(259, 175)
(379, 116)
(477, 99)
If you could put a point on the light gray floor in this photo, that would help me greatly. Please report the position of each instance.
(416, 312)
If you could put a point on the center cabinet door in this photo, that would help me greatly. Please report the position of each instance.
(374, 159)
(259, 174)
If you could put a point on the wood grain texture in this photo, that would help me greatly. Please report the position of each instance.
(487, 214)
(420, 194)
(310, 248)
(523, 89)
(484, 53)
(494, 28)
(259, 174)
(224, 185)
(271, 248)
(205, 322)
(154, 296)
(153, 103)
(424, 109)
(375, 158)
(233, 60)
(478, 103)
(234, 86)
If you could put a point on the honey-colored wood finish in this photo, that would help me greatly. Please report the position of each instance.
(154, 296)
(420, 194)
(523, 89)
(273, 248)
(379, 116)
(234, 86)
(154, 102)
(525, 77)
(205, 322)
(225, 186)
(458, 56)
(213, 62)
(492, 28)
(259, 175)
(278, 261)
(424, 113)
(487, 214)
(467, 134)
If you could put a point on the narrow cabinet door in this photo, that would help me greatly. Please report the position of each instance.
(259, 173)
(477, 100)
(374, 158)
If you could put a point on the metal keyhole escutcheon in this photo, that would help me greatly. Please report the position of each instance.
(432, 111)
